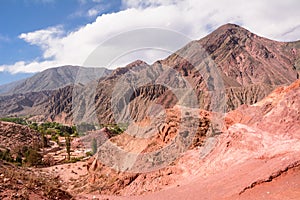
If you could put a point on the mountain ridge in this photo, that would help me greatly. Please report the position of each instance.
(52, 79)
(247, 68)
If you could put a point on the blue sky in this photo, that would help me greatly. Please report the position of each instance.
(40, 34)
(21, 16)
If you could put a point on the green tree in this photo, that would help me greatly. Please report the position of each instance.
(33, 158)
(42, 131)
(68, 145)
(94, 146)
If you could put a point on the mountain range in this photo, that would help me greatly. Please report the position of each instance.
(227, 68)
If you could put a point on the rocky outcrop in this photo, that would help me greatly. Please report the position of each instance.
(279, 112)
(256, 155)
(143, 138)
(59, 106)
(14, 136)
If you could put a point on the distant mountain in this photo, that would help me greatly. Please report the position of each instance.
(33, 95)
(54, 78)
(30, 103)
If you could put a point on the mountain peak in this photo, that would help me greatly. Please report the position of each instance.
(230, 30)
(230, 26)
(137, 63)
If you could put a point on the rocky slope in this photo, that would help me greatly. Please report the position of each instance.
(33, 96)
(31, 103)
(230, 61)
(21, 183)
(141, 141)
(256, 156)
(14, 136)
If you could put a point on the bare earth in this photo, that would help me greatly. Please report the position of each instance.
(253, 159)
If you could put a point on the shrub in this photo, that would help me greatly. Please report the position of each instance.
(33, 158)
(15, 120)
(49, 161)
(55, 138)
(94, 146)
(6, 156)
(68, 146)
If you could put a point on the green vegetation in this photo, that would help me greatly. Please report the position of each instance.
(5, 155)
(74, 159)
(15, 120)
(94, 146)
(33, 158)
(27, 155)
(115, 129)
(68, 146)
(89, 153)
(55, 138)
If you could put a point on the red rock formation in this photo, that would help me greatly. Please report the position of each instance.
(257, 156)
(14, 136)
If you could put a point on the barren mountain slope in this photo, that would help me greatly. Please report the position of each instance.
(54, 78)
(231, 59)
(256, 156)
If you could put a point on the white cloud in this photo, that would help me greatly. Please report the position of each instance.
(48, 39)
(148, 3)
(30, 67)
(276, 20)
(92, 12)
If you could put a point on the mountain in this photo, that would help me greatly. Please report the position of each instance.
(32, 96)
(228, 68)
(53, 78)
(31, 103)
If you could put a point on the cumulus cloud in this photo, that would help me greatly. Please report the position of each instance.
(48, 39)
(277, 20)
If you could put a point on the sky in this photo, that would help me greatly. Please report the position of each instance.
(40, 34)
